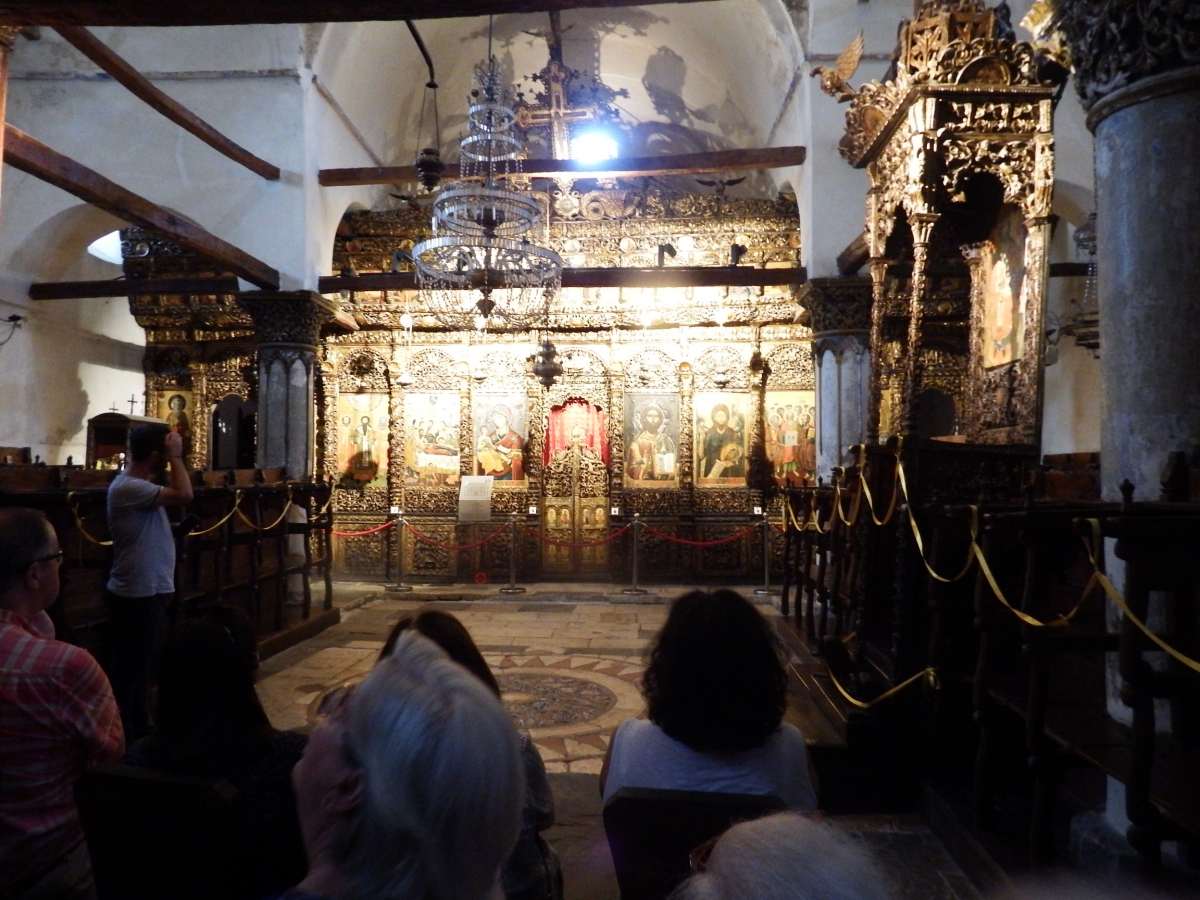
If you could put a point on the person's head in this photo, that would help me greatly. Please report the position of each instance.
(207, 713)
(652, 418)
(366, 420)
(449, 634)
(29, 559)
(413, 786)
(177, 402)
(786, 857)
(714, 681)
(720, 415)
(146, 440)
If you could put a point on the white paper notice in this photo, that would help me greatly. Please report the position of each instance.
(475, 498)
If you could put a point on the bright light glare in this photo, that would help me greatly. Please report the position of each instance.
(107, 248)
(593, 146)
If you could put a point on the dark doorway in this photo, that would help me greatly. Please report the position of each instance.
(233, 433)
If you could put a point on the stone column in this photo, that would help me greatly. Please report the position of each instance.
(1138, 74)
(288, 326)
(841, 324)
(1141, 86)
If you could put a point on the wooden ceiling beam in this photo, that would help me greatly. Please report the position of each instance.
(249, 12)
(137, 84)
(665, 277)
(132, 287)
(36, 159)
(630, 167)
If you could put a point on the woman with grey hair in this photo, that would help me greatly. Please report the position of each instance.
(785, 857)
(411, 788)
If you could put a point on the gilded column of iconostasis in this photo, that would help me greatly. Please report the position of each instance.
(668, 405)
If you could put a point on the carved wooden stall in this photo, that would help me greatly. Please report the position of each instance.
(957, 142)
(629, 426)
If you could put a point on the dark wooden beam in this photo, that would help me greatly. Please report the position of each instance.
(854, 257)
(125, 74)
(247, 12)
(667, 276)
(131, 287)
(632, 167)
(36, 159)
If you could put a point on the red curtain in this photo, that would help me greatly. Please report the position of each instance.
(576, 416)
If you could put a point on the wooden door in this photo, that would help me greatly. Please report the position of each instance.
(575, 511)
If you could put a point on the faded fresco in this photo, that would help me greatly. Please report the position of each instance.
(651, 440)
(790, 432)
(499, 434)
(176, 409)
(431, 433)
(363, 427)
(1003, 272)
(721, 423)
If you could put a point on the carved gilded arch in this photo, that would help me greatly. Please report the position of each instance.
(790, 366)
(722, 369)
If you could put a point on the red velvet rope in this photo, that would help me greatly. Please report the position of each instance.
(675, 540)
(428, 540)
(361, 533)
(557, 543)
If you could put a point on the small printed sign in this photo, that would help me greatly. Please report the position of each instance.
(475, 498)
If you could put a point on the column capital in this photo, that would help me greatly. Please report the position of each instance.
(837, 304)
(1115, 43)
(288, 317)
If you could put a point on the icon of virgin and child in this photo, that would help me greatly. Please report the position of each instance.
(498, 447)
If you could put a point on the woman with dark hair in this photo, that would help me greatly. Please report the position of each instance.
(208, 721)
(716, 692)
(533, 871)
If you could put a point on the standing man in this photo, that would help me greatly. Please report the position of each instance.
(57, 717)
(143, 570)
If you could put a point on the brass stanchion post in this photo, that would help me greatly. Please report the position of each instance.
(399, 587)
(512, 587)
(633, 588)
(766, 590)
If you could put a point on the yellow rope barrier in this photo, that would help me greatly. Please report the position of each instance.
(328, 503)
(862, 477)
(79, 524)
(1116, 597)
(237, 499)
(929, 675)
(837, 491)
(912, 521)
(282, 515)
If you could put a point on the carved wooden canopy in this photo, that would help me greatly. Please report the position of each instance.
(958, 143)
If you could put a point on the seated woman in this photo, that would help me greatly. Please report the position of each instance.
(716, 692)
(411, 787)
(209, 722)
(533, 871)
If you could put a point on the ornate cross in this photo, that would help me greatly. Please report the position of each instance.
(557, 114)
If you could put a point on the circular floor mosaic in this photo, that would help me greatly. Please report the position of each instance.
(540, 701)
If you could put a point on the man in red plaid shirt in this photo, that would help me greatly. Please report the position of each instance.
(57, 717)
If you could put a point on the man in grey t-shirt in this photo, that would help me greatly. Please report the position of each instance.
(143, 570)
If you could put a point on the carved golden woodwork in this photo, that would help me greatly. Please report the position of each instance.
(960, 131)
(208, 345)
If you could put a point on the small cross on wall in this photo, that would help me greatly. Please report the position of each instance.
(132, 401)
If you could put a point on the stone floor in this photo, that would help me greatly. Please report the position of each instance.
(569, 659)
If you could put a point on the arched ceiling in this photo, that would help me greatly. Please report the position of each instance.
(699, 76)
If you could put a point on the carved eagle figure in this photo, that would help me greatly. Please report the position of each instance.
(833, 81)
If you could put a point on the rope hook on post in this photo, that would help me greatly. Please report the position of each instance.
(513, 587)
(633, 588)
